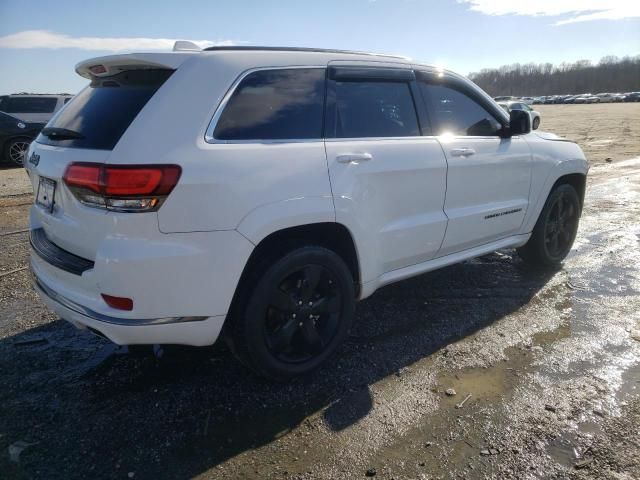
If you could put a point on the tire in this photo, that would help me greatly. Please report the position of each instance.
(292, 313)
(555, 230)
(15, 150)
(536, 123)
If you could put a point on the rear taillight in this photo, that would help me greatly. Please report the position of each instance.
(122, 188)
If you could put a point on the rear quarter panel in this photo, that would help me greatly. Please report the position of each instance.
(221, 184)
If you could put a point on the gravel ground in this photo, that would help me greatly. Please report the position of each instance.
(545, 367)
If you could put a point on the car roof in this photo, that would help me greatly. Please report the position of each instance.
(299, 50)
(242, 55)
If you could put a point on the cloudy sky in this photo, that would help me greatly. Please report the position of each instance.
(41, 41)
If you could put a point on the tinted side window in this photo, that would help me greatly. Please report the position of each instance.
(275, 105)
(374, 109)
(29, 104)
(453, 112)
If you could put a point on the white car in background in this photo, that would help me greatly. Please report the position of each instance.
(587, 98)
(518, 105)
(31, 107)
(606, 97)
(266, 190)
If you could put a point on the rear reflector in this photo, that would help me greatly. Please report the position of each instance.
(126, 188)
(121, 303)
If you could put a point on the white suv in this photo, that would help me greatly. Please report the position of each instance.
(32, 107)
(267, 190)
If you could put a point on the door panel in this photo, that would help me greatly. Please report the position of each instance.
(392, 201)
(489, 177)
(487, 190)
(388, 181)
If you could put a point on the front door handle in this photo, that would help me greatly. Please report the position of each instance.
(354, 157)
(462, 152)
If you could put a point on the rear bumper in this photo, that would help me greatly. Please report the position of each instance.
(196, 331)
(181, 284)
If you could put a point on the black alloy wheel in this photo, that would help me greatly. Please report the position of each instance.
(555, 230)
(291, 312)
(303, 314)
(561, 226)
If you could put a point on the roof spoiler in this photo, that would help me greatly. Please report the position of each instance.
(114, 64)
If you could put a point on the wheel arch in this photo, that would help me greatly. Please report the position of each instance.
(572, 172)
(331, 235)
(577, 180)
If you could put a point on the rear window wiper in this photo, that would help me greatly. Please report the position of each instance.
(55, 133)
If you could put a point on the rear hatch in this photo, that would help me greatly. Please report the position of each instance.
(87, 130)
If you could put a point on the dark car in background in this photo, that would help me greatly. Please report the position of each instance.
(15, 137)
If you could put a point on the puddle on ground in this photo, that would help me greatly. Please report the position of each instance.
(482, 383)
(564, 448)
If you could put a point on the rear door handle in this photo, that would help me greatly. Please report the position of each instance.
(354, 157)
(462, 152)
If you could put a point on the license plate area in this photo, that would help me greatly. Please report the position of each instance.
(46, 193)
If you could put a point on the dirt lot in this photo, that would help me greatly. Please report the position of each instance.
(551, 361)
(604, 131)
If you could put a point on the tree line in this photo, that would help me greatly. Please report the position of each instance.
(610, 74)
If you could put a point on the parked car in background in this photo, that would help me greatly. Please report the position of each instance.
(538, 100)
(587, 98)
(33, 107)
(632, 97)
(519, 105)
(15, 137)
(361, 191)
(618, 97)
(503, 98)
(527, 100)
(605, 97)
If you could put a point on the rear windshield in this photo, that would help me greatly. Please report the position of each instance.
(103, 111)
(28, 104)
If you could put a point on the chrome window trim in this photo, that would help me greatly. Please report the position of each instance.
(209, 138)
(380, 139)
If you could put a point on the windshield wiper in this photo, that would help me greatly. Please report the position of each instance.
(55, 133)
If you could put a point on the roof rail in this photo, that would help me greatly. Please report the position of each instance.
(297, 49)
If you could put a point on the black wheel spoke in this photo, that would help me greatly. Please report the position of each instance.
(281, 339)
(560, 206)
(282, 300)
(328, 304)
(312, 276)
(311, 336)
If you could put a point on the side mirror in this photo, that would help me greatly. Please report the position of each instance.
(519, 122)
